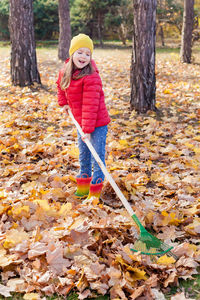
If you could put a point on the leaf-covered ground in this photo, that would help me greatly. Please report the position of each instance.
(52, 243)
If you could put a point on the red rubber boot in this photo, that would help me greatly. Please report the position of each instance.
(95, 190)
(83, 186)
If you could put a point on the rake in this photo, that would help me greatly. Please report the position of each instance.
(147, 243)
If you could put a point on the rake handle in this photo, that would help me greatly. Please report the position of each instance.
(103, 168)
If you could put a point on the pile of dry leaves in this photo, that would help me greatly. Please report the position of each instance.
(52, 243)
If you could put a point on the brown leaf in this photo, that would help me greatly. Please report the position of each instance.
(138, 292)
(37, 249)
(171, 278)
(187, 262)
(56, 262)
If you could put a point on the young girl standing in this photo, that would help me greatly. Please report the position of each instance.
(80, 88)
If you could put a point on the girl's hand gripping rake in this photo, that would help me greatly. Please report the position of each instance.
(147, 243)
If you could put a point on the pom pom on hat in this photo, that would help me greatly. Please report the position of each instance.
(80, 41)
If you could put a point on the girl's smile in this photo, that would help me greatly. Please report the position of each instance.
(81, 57)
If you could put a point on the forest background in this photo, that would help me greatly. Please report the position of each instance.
(107, 20)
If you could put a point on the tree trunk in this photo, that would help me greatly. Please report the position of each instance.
(64, 29)
(24, 70)
(161, 33)
(122, 34)
(188, 23)
(143, 81)
(99, 29)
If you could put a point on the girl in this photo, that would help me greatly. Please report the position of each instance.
(80, 87)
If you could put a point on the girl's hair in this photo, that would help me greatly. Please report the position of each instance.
(69, 73)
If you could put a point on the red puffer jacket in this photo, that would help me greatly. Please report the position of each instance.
(85, 97)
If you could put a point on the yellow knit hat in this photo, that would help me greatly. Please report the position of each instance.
(80, 41)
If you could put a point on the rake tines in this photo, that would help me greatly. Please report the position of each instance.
(150, 245)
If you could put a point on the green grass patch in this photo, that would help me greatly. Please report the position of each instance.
(167, 50)
(190, 287)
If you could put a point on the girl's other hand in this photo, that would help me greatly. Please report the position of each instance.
(86, 136)
(65, 109)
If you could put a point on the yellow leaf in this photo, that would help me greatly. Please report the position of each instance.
(173, 220)
(64, 123)
(19, 212)
(31, 296)
(170, 219)
(71, 272)
(50, 129)
(164, 213)
(137, 273)
(43, 192)
(114, 168)
(15, 225)
(189, 145)
(196, 150)
(197, 138)
(150, 216)
(15, 237)
(73, 152)
(64, 152)
(148, 163)
(167, 91)
(16, 132)
(43, 204)
(65, 209)
(123, 142)
(114, 111)
(166, 260)
(74, 132)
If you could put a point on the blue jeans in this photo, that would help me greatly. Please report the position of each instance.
(86, 159)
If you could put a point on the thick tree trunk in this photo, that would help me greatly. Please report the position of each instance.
(188, 23)
(143, 81)
(23, 54)
(64, 29)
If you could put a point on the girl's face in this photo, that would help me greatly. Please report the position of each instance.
(81, 57)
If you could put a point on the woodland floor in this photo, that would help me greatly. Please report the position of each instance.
(51, 243)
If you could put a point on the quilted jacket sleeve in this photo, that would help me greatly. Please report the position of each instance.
(62, 100)
(92, 88)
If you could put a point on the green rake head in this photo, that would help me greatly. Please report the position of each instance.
(150, 245)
